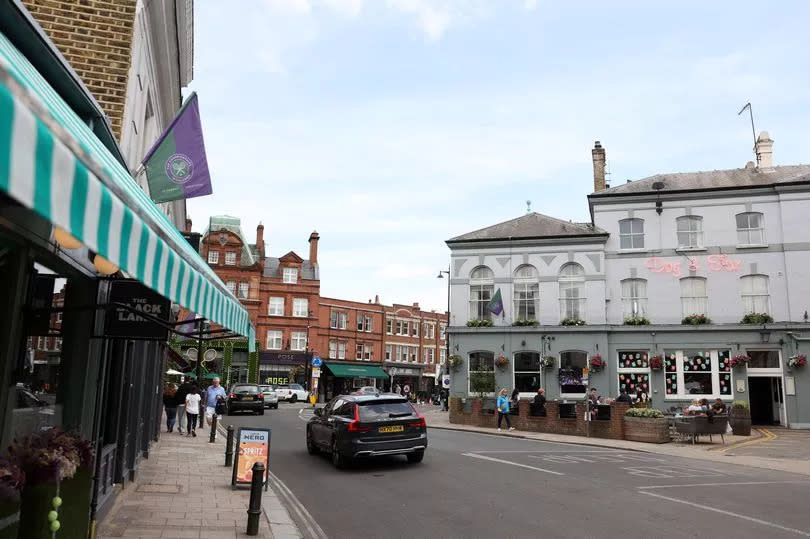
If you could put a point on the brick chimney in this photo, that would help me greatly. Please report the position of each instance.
(260, 239)
(377, 299)
(598, 154)
(764, 150)
(313, 247)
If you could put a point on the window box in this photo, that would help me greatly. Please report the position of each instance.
(636, 321)
(572, 322)
(646, 425)
(524, 322)
(482, 323)
(696, 320)
(757, 318)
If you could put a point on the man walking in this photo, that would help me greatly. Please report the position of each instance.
(213, 393)
(180, 399)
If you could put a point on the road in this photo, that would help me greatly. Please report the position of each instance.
(476, 485)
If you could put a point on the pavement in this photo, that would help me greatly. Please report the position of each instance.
(183, 490)
(771, 448)
(473, 484)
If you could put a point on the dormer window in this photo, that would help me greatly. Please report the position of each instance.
(290, 275)
(230, 258)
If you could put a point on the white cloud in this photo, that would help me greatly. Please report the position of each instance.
(530, 4)
(351, 8)
(435, 17)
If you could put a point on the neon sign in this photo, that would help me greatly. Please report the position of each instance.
(716, 263)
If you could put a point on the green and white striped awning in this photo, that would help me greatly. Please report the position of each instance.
(51, 162)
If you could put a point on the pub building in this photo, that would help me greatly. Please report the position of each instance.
(90, 269)
(682, 286)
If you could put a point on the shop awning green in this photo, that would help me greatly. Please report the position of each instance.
(356, 371)
(52, 163)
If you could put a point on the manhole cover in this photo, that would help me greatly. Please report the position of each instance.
(162, 489)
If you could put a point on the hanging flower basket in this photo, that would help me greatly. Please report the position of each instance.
(455, 362)
(797, 361)
(548, 362)
(740, 360)
(596, 363)
(656, 363)
(502, 362)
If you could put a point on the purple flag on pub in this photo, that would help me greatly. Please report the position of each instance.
(176, 167)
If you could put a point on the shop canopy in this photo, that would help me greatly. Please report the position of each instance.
(356, 371)
(52, 163)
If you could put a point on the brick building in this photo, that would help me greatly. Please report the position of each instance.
(294, 322)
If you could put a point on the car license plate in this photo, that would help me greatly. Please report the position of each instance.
(247, 398)
(392, 428)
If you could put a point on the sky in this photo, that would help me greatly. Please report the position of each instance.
(390, 126)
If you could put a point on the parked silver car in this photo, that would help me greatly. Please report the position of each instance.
(270, 396)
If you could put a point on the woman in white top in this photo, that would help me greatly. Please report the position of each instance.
(192, 409)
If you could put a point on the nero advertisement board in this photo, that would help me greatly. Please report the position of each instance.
(252, 446)
(124, 323)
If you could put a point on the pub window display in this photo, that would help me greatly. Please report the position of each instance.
(572, 376)
(698, 373)
(634, 373)
(527, 372)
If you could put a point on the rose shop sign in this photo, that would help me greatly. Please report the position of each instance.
(121, 322)
(715, 263)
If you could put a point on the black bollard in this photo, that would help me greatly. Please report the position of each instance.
(213, 437)
(229, 447)
(255, 505)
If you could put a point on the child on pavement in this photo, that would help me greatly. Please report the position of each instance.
(192, 410)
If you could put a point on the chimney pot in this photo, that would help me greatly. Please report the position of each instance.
(260, 239)
(598, 155)
(415, 304)
(377, 299)
(764, 150)
(313, 247)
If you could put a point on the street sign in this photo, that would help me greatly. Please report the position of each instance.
(316, 361)
(252, 445)
(316, 372)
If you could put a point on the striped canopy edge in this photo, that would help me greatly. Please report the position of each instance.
(76, 184)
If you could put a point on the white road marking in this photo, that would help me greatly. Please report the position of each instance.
(546, 451)
(493, 459)
(726, 484)
(663, 472)
(729, 513)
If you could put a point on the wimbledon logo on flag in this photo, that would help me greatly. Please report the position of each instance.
(179, 168)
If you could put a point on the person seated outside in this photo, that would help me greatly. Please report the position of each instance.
(514, 401)
(539, 404)
(593, 401)
(719, 407)
(694, 409)
(624, 397)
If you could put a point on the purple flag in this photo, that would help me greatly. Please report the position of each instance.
(176, 167)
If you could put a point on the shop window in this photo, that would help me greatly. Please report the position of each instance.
(698, 373)
(763, 359)
(573, 377)
(527, 372)
(634, 372)
(482, 282)
(481, 372)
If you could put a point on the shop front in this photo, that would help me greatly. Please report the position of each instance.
(344, 378)
(284, 367)
(403, 379)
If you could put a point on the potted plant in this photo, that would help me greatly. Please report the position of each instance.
(740, 360)
(646, 425)
(455, 362)
(656, 363)
(548, 362)
(58, 468)
(740, 418)
(481, 323)
(597, 363)
(572, 321)
(636, 321)
(12, 480)
(696, 320)
(797, 361)
(501, 362)
(525, 322)
(757, 318)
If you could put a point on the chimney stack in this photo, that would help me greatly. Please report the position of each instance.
(598, 154)
(188, 224)
(764, 150)
(313, 247)
(377, 299)
(260, 239)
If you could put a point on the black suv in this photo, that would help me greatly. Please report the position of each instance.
(353, 426)
(245, 397)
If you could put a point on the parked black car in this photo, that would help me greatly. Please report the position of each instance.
(245, 397)
(354, 426)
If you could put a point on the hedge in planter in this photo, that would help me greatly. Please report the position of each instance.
(739, 418)
(646, 425)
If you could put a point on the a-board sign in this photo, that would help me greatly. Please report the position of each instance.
(252, 446)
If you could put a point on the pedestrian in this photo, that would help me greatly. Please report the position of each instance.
(397, 389)
(170, 405)
(514, 401)
(503, 410)
(180, 399)
(213, 395)
(192, 410)
(445, 398)
(593, 401)
(539, 404)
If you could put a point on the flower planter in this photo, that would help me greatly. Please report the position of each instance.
(74, 514)
(740, 421)
(644, 429)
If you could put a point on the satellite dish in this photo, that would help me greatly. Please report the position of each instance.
(209, 355)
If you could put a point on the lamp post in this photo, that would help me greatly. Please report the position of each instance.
(447, 328)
